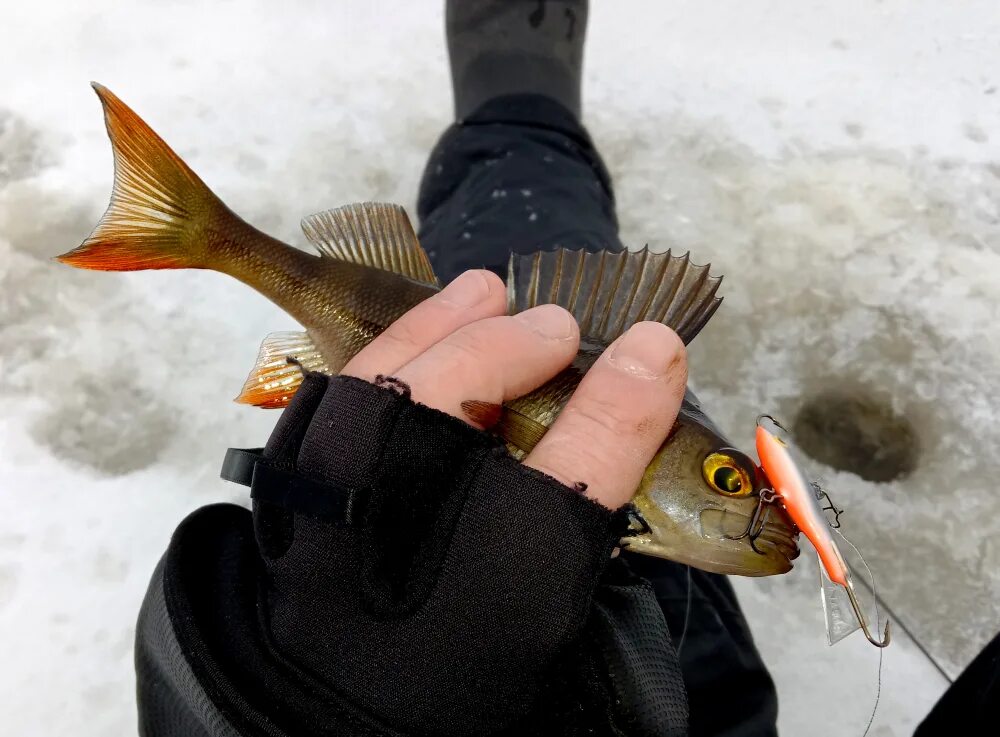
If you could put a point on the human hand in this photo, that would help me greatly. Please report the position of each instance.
(395, 541)
(459, 345)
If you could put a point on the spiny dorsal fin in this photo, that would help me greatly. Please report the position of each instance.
(609, 292)
(373, 234)
(274, 379)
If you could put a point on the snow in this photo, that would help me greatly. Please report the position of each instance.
(836, 161)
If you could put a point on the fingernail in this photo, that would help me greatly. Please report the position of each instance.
(466, 290)
(648, 349)
(549, 321)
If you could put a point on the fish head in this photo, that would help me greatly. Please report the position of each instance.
(699, 495)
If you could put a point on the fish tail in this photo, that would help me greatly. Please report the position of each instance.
(161, 214)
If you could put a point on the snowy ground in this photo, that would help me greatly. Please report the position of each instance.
(837, 161)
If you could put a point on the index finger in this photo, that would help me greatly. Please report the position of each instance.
(471, 296)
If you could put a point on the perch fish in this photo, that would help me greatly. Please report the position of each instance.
(695, 496)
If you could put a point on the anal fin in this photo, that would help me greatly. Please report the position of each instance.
(278, 371)
(608, 292)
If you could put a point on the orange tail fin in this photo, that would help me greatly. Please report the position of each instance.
(160, 210)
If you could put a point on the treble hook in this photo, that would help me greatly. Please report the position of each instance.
(757, 520)
(864, 622)
(824, 495)
(769, 417)
(760, 530)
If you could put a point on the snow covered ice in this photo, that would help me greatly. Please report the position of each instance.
(837, 162)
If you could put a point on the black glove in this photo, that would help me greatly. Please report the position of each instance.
(404, 576)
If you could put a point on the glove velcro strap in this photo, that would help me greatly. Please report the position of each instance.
(238, 464)
(291, 491)
(305, 496)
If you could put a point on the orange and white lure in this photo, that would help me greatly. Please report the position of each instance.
(799, 499)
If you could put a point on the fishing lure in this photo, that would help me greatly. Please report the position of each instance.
(801, 501)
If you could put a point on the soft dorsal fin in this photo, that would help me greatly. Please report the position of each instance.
(374, 234)
(278, 370)
(609, 292)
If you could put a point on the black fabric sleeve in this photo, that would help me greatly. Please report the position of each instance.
(448, 590)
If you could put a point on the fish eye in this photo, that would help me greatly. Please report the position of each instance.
(728, 472)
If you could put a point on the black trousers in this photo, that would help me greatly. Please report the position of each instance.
(522, 175)
(971, 705)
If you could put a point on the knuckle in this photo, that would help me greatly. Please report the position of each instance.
(467, 347)
(601, 413)
(404, 335)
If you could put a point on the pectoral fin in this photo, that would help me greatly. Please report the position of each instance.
(515, 428)
(609, 292)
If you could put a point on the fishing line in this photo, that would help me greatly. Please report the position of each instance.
(878, 690)
(687, 615)
(878, 627)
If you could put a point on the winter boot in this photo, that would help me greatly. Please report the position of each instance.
(504, 47)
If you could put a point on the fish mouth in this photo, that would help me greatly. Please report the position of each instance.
(726, 524)
(781, 538)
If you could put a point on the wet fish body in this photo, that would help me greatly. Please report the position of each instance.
(695, 495)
